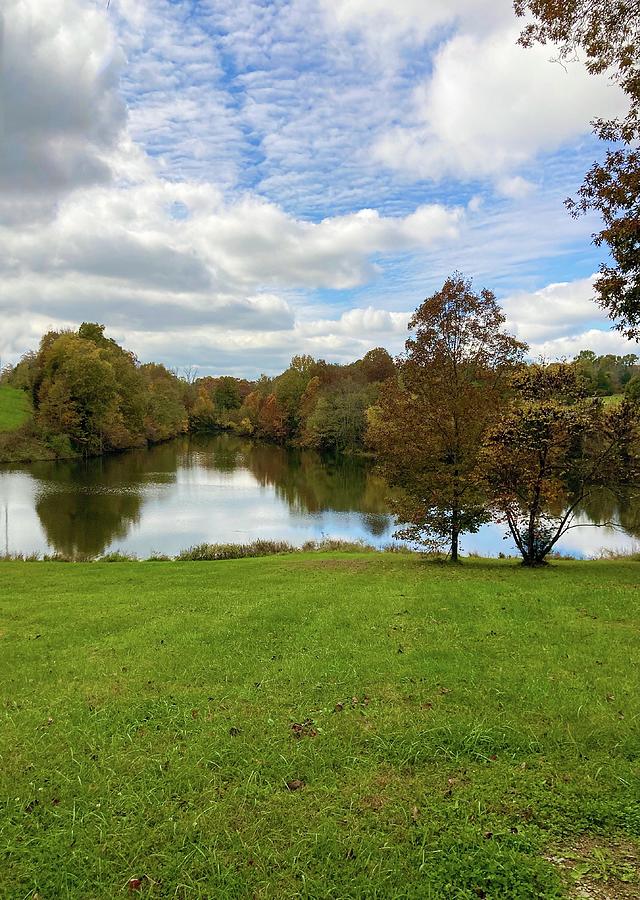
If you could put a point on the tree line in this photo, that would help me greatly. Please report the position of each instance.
(463, 427)
(92, 396)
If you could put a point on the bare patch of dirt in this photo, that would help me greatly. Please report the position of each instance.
(596, 869)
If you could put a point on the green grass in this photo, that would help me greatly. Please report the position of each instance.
(15, 408)
(460, 727)
(612, 400)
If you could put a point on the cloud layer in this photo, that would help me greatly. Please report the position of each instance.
(61, 108)
(227, 183)
(490, 106)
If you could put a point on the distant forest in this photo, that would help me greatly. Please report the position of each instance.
(91, 396)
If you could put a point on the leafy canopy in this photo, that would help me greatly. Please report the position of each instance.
(428, 425)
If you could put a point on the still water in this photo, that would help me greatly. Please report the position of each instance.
(225, 489)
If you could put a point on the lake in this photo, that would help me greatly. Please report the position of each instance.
(221, 488)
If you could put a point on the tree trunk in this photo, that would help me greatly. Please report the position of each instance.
(455, 534)
(533, 562)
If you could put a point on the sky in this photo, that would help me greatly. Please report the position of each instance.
(226, 183)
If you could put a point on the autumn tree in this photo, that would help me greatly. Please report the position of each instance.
(78, 393)
(549, 449)
(272, 419)
(92, 396)
(632, 389)
(607, 35)
(377, 365)
(202, 415)
(429, 422)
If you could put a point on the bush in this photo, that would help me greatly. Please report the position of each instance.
(118, 556)
(327, 545)
(210, 552)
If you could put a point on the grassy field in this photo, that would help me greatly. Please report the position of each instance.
(328, 725)
(15, 408)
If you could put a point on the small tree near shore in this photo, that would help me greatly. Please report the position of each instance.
(428, 424)
(549, 449)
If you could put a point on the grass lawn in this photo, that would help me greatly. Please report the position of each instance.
(15, 408)
(321, 725)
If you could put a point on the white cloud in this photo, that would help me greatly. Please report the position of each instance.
(219, 270)
(491, 106)
(413, 20)
(130, 235)
(553, 311)
(61, 110)
(561, 319)
(598, 340)
(515, 187)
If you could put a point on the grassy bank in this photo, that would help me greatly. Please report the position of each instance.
(329, 725)
(15, 408)
(20, 439)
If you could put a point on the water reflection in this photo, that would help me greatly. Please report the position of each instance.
(601, 506)
(192, 489)
(225, 488)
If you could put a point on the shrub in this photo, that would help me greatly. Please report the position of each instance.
(210, 552)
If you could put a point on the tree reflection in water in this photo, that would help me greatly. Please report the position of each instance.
(84, 507)
(87, 507)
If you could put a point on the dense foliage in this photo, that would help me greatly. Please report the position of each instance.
(91, 396)
(428, 426)
(549, 449)
(604, 376)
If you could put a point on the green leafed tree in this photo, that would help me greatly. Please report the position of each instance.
(339, 418)
(429, 422)
(77, 374)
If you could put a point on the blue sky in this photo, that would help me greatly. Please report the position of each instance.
(224, 184)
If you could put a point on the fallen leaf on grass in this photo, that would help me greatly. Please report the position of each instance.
(356, 701)
(233, 731)
(304, 729)
(296, 785)
(135, 884)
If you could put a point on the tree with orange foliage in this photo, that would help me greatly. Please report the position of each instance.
(428, 425)
(272, 420)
